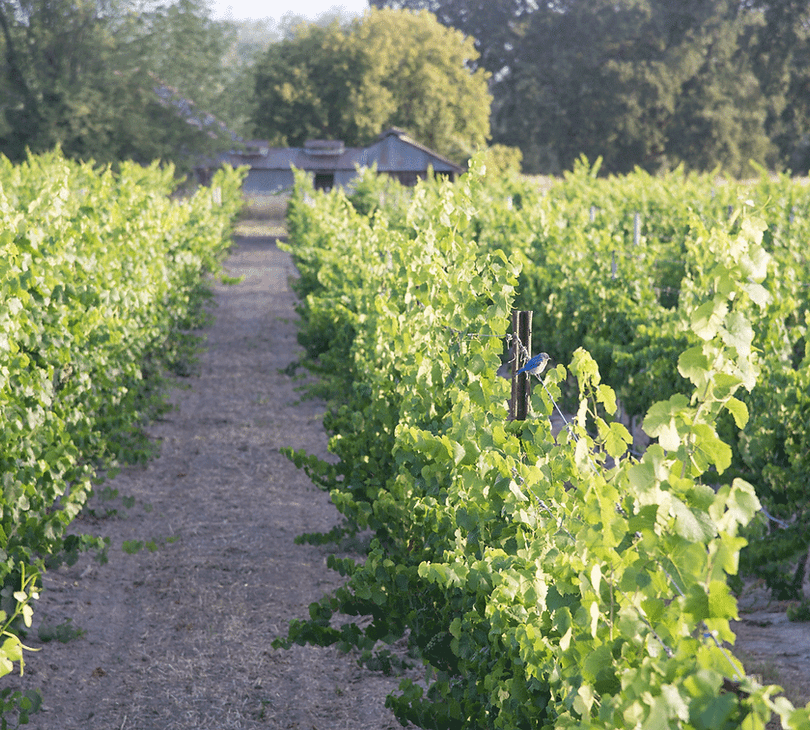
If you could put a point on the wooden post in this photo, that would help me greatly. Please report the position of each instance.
(636, 229)
(521, 384)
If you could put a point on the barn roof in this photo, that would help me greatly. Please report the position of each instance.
(393, 151)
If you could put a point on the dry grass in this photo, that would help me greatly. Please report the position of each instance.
(266, 207)
(263, 215)
(180, 638)
(254, 228)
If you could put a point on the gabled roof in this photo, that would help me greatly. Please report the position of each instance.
(403, 137)
(393, 151)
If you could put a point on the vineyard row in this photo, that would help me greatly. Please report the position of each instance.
(543, 581)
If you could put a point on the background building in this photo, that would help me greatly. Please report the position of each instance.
(331, 163)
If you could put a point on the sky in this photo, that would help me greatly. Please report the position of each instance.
(257, 9)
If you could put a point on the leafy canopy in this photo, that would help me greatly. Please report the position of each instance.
(544, 580)
(110, 81)
(388, 68)
(647, 83)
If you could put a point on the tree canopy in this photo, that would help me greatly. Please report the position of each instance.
(108, 80)
(388, 68)
(648, 83)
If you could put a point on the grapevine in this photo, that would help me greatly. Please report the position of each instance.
(544, 581)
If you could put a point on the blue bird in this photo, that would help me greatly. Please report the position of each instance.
(536, 365)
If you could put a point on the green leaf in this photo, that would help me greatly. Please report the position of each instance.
(607, 396)
(650, 471)
(10, 652)
(717, 710)
(696, 603)
(617, 440)
(726, 553)
(584, 700)
(597, 661)
(694, 365)
(739, 410)
(736, 505)
(725, 385)
(584, 367)
(131, 547)
(722, 603)
(708, 318)
(660, 421)
(458, 452)
(676, 703)
(758, 293)
(738, 333)
(690, 524)
(709, 450)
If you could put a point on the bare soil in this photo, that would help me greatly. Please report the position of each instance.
(178, 636)
(772, 648)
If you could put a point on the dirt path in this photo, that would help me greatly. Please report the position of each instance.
(771, 647)
(179, 637)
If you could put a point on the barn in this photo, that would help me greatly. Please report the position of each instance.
(332, 164)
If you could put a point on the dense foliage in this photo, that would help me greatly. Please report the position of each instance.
(647, 83)
(100, 281)
(644, 83)
(545, 580)
(113, 81)
(610, 264)
(388, 68)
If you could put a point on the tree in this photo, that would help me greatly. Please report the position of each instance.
(303, 85)
(107, 83)
(184, 48)
(647, 84)
(389, 68)
(781, 57)
(640, 82)
(719, 119)
(495, 25)
(569, 90)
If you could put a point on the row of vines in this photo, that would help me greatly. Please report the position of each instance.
(101, 279)
(568, 580)
(605, 264)
(622, 282)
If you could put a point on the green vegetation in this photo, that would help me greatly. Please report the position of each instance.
(610, 264)
(648, 83)
(620, 284)
(389, 68)
(551, 581)
(638, 83)
(100, 284)
(107, 82)
(64, 632)
(115, 81)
